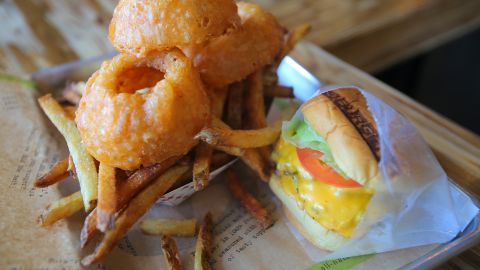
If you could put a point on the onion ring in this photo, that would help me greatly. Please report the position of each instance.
(125, 127)
(138, 27)
(238, 53)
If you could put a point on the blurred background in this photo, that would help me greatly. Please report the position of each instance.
(428, 49)
(445, 78)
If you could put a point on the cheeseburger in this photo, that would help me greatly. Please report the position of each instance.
(327, 166)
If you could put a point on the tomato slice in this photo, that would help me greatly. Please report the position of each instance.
(311, 161)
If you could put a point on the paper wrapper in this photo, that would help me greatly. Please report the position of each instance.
(30, 145)
(414, 203)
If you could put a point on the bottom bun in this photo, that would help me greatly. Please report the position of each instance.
(306, 225)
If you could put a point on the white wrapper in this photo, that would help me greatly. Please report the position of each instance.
(414, 204)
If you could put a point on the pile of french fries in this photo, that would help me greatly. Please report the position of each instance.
(115, 200)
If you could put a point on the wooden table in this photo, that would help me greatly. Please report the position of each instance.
(369, 34)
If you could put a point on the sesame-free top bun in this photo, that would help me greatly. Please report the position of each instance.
(342, 118)
(306, 225)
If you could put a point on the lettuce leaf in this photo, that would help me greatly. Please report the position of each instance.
(299, 133)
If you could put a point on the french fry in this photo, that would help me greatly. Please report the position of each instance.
(70, 110)
(254, 159)
(255, 107)
(141, 178)
(234, 151)
(203, 151)
(217, 122)
(107, 197)
(298, 33)
(201, 165)
(61, 209)
(218, 103)
(204, 244)
(57, 173)
(170, 252)
(235, 105)
(89, 229)
(251, 156)
(240, 138)
(254, 101)
(129, 188)
(170, 227)
(71, 166)
(279, 91)
(253, 206)
(135, 209)
(84, 164)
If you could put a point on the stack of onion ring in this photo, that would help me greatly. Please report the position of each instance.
(241, 51)
(146, 104)
(142, 111)
(138, 27)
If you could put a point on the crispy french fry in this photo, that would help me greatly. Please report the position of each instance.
(84, 164)
(201, 165)
(270, 76)
(254, 159)
(61, 208)
(203, 151)
(129, 188)
(170, 252)
(240, 138)
(171, 227)
(254, 102)
(141, 178)
(279, 91)
(255, 107)
(204, 244)
(89, 229)
(218, 160)
(251, 156)
(70, 110)
(219, 101)
(107, 197)
(71, 166)
(135, 209)
(57, 173)
(234, 151)
(235, 105)
(253, 206)
(217, 122)
(298, 33)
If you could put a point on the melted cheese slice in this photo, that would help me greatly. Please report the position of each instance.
(337, 209)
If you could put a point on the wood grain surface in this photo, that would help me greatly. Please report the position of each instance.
(369, 34)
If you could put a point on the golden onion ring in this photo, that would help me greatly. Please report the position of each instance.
(138, 27)
(142, 111)
(238, 53)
